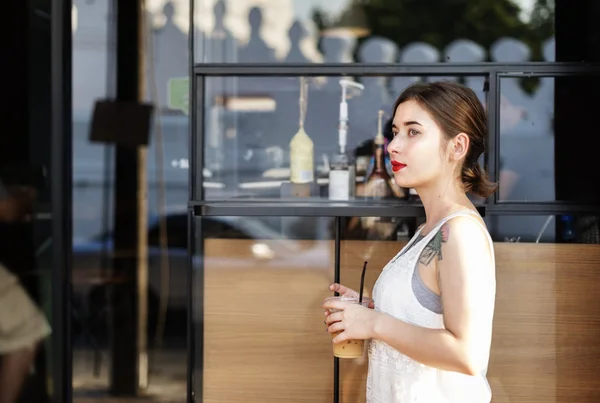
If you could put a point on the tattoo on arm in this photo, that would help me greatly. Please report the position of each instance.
(434, 247)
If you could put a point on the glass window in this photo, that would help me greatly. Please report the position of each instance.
(261, 289)
(544, 305)
(544, 128)
(564, 228)
(161, 366)
(369, 31)
(252, 131)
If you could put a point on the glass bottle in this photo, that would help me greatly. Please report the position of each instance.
(301, 146)
(342, 173)
(340, 177)
(377, 184)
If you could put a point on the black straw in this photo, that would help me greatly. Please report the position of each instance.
(362, 283)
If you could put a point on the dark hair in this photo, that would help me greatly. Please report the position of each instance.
(456, 109)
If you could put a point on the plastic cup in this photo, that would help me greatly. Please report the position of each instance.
(348, 348)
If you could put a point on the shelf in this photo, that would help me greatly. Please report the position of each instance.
(392, 69)
(542, 208)
(363, 208)
(310, 208)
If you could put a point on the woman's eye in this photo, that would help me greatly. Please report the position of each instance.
(394, 134)
(413, 132)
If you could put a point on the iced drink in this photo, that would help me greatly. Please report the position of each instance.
(348, 348)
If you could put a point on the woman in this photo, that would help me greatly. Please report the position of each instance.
(431, 326)
(22, 324)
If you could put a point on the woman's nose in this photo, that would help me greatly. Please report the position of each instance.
(394, 146)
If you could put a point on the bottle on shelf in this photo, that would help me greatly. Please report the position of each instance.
(342, 178)
(378, 182)
(399, 192)
(302, 164)
(301, 158)
(388, 163)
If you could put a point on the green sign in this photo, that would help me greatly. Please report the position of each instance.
(179, 94)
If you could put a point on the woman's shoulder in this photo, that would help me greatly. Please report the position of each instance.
(467, 234)
(468, 223)
(468, 218)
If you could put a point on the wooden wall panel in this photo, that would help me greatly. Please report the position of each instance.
(265, 339)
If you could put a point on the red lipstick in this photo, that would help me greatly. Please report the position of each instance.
(396, 166)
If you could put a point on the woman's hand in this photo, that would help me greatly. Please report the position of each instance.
(347, 292)
(343, 290)
(354, 321)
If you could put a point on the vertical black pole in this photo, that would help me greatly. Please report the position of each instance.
(191, 334)
(336, 361)
(493, 143)
(196, 241)
(124, 375)
(61, 198)
(192, 172)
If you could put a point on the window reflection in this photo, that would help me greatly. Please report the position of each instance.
(300, 31)
(535, 122)
(565, 228)
(250, 122)
(166, 87)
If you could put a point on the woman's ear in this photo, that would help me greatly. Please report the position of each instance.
(459, 146)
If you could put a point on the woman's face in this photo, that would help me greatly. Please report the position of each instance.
(415, 150)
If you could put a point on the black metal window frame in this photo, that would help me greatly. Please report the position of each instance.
(493, 72)
(198, 207)
(61, 196)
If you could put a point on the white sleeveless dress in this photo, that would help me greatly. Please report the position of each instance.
(395, 378)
